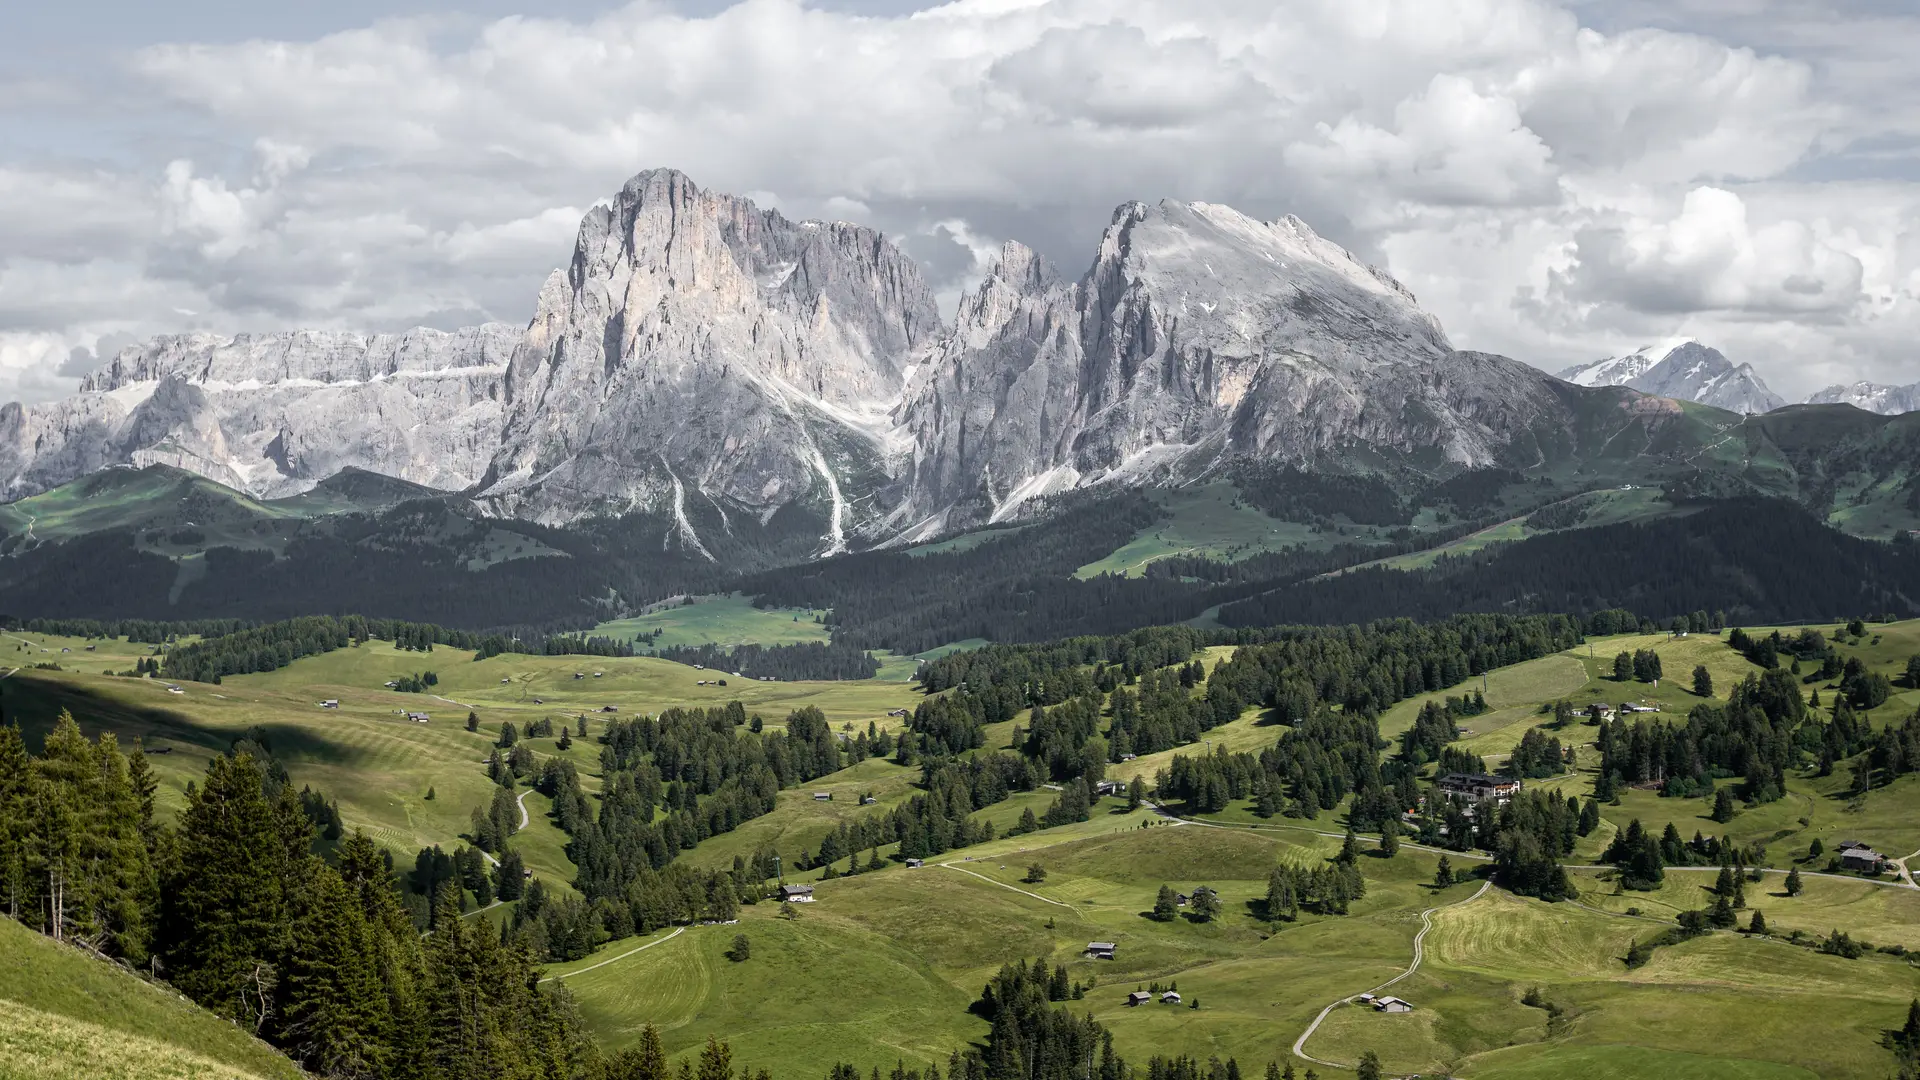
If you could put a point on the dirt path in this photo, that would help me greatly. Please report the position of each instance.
(1419, 954)
(521, 802)
(1004, 885)
(677, 931)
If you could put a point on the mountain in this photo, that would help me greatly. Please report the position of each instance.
(1687, 370)
(703, 354)
(750, 391)
(273, 414)
(1873, 397)
(1198, 338)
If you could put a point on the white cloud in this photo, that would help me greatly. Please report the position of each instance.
(1547, 189)
(1710, 258)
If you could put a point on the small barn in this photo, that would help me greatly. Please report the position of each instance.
(915, 864)
(1138, 997)
(1100, 950)
(1170, 998)
(823, 796)
(1862, 858)
(798, 894)
(1392, 1005)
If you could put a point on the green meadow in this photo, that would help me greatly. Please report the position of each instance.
(883, 966)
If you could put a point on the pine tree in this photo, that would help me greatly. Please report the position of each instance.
(224, 909)
(15, 779)
(1390, 837)
(473, 721)
(1205, 904)
(1164, 905)
(1349, 849)
(333, 1006)
(645, 1061)
(1443, 876)
(1702, 681)
(1136, 789)
(716, 1060)
(1722, 805)
(1589, 817)
(1758, 925)
(1369, 1067)
(1793, 882)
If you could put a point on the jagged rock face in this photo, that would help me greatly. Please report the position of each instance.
(1199, 334)
(273, 414)
(1689, 371)
(701, 350)
(1872, 397)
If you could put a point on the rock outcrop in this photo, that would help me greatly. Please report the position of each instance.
(704, 355)
(273, 414)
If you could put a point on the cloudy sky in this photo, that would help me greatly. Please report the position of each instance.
(1557, 181)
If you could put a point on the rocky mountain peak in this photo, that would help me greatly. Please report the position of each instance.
(1683, 369)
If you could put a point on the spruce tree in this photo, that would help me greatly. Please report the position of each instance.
(646, 1060)
(1164, 905)
(1349, 849)
(1443, 877)
(716, 1061)
(1390, 837)
(224, 908)
(333, 1007)
(1758, 925)
(1369, 1067)
(1722, 805)
(1793, 881)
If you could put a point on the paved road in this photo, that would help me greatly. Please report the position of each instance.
(1419, 954)
(677, 931)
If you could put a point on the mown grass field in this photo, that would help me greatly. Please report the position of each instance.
(66, 1015)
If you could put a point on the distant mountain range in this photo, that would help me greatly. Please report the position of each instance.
(742, 390)
(1873, 397)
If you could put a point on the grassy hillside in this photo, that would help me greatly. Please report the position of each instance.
(882, 967)
(365, 754)
(70, 1015)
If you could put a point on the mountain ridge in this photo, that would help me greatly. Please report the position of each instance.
(735, 376)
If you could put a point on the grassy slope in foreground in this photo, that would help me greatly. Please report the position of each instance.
(67, 1014)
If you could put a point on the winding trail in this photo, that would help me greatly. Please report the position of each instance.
(1419, 954)
(521, 802)
(677, 931)
(1004, 885)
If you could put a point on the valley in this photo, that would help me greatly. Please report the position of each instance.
(883, 964)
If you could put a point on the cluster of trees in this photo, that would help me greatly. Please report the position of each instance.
(145, 631)
(1756, 735)
(1537, 757)
(552, 645)
(275, 645)
(235, 910)
(1032, 1037)
(1326, 889)
(418, 682)
(1641, 664)
(800, 660)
